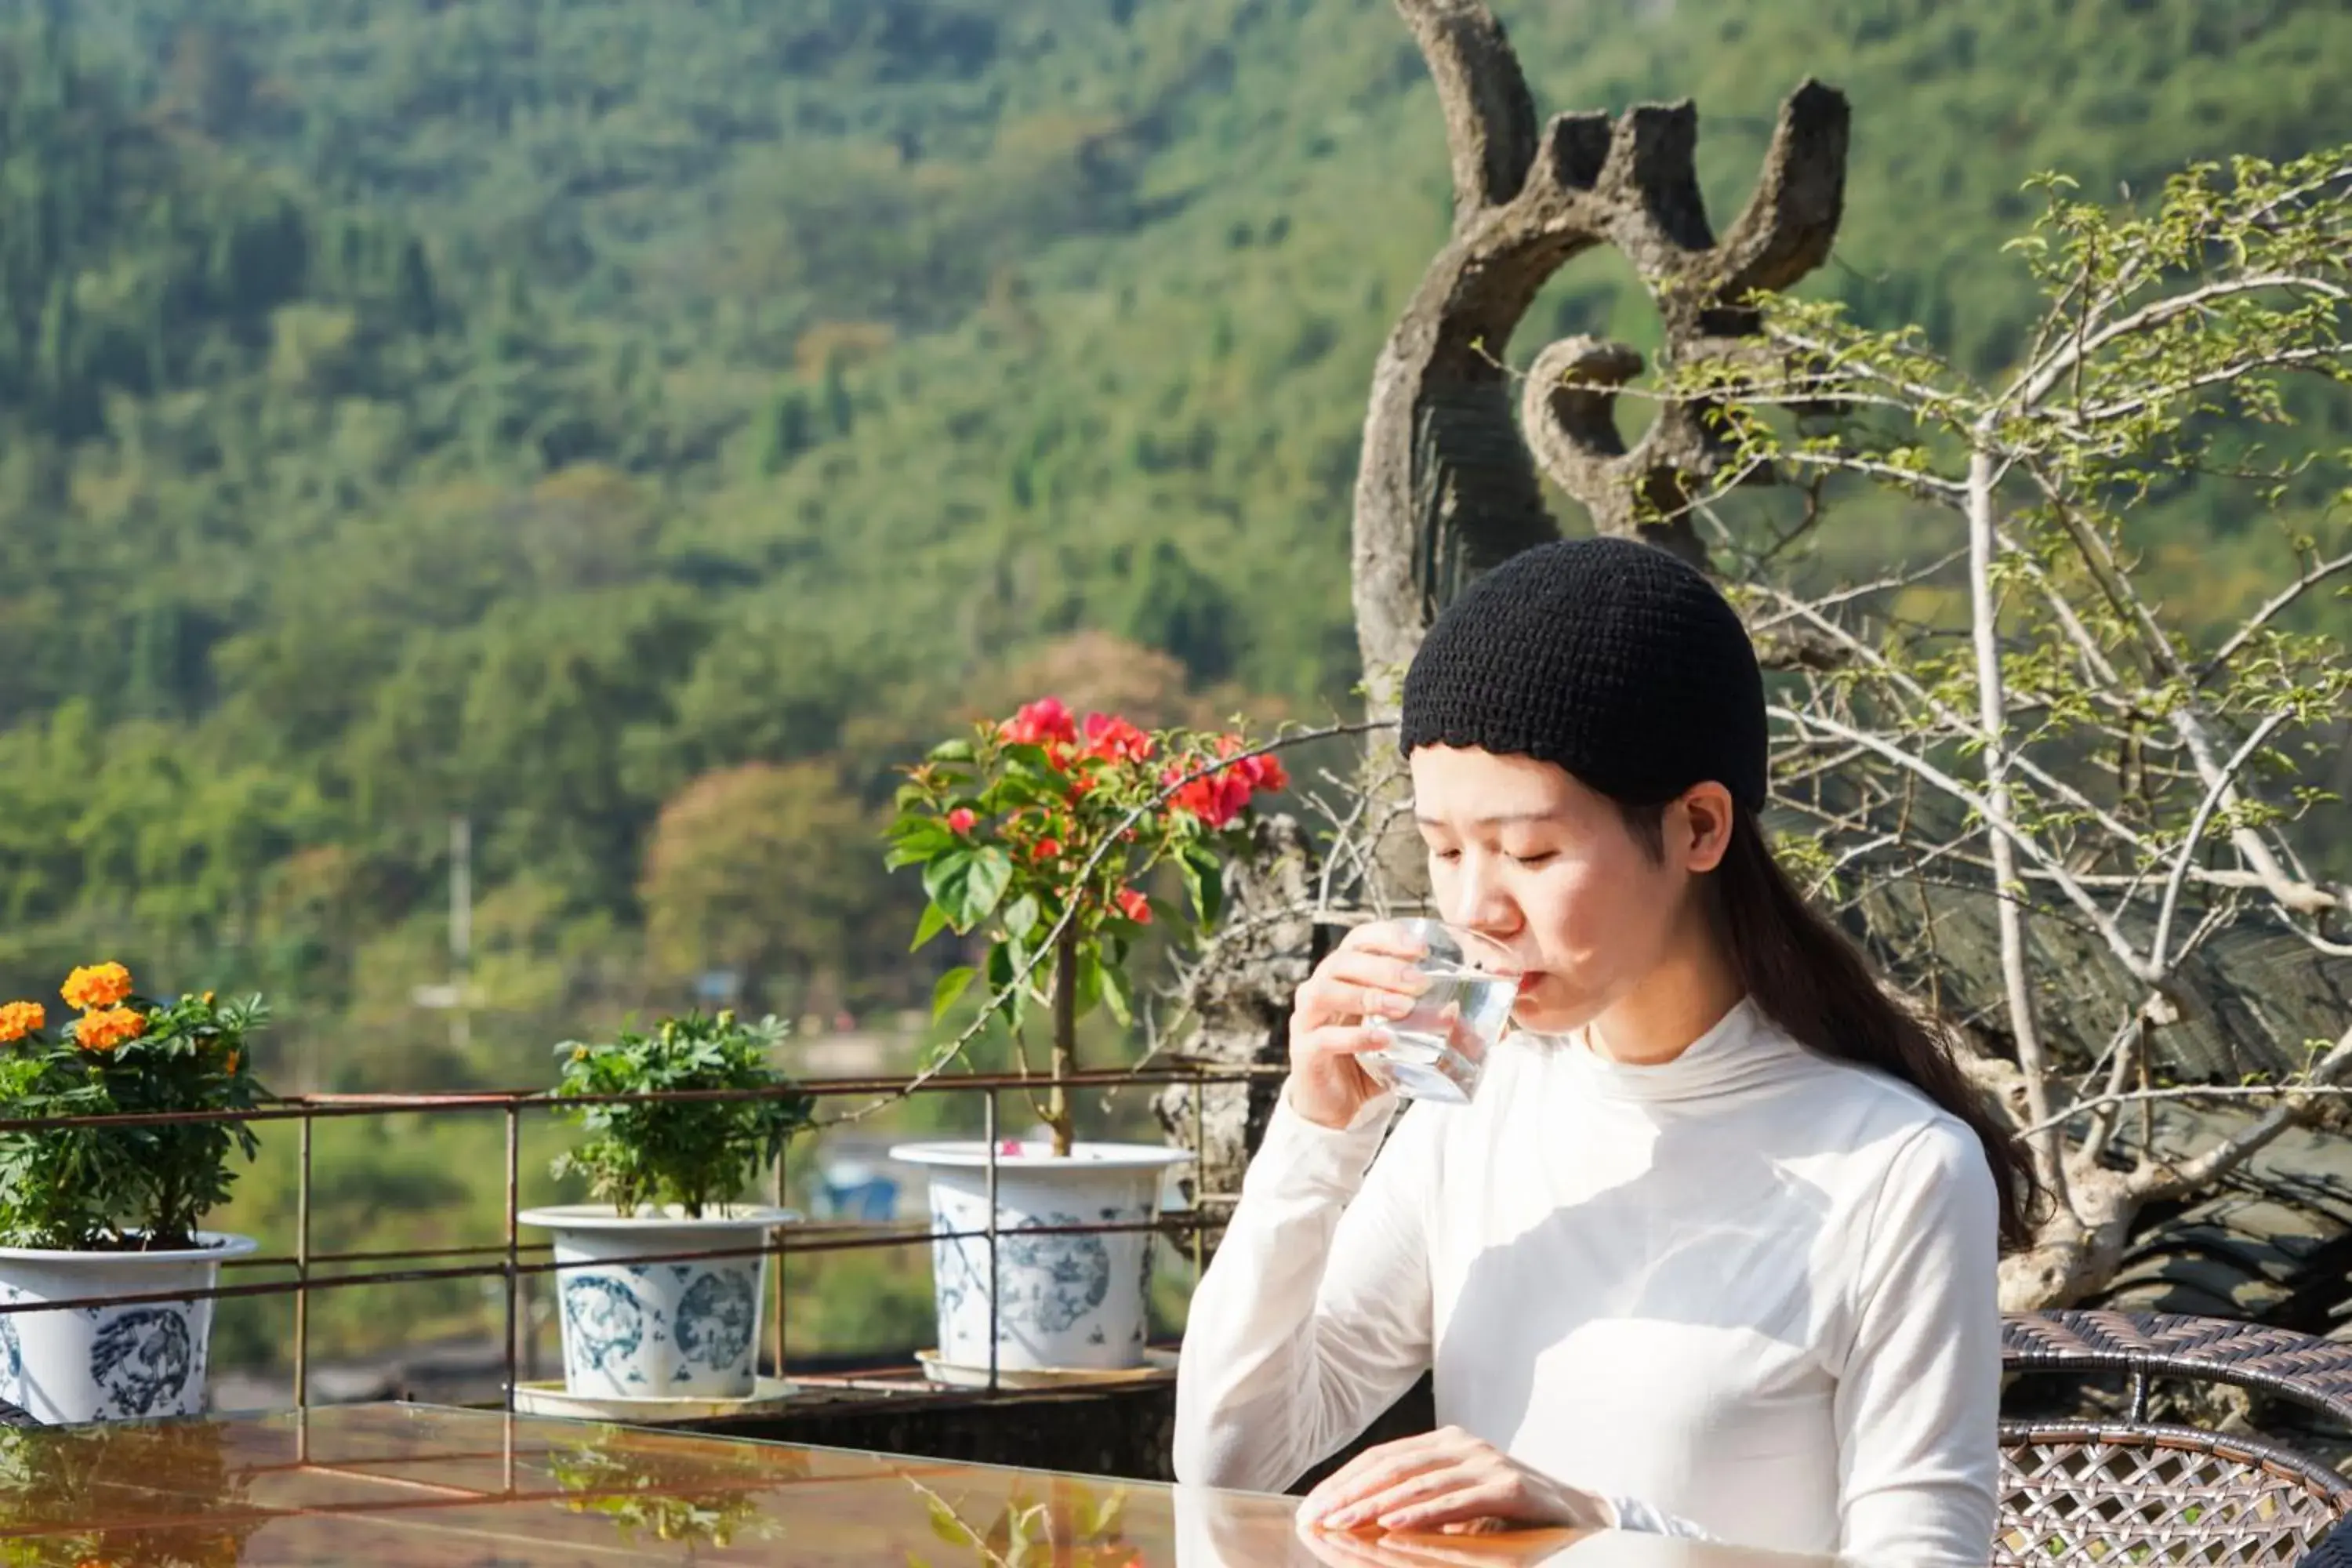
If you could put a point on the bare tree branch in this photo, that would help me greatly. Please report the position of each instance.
(2272, 607)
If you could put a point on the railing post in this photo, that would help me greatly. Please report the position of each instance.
(302, 1272)
(1200, 1167)
(514, 1260)
(776, 1270)
(994, 1284)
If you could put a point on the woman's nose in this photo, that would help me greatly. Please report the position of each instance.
(1480, 903)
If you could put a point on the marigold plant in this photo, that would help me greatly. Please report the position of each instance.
(121, 1188)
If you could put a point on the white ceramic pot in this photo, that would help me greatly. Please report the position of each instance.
(1064, 1302)
(110, 1363)
(657, 1331)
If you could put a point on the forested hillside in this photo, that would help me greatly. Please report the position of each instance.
(635, 426)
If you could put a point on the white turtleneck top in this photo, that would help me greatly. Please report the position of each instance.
(1750, 1290)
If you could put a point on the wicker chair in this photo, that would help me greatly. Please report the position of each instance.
(2137, 1491)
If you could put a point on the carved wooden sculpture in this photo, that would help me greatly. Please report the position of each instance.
(1446, 486)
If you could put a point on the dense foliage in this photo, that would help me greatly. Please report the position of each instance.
(638, 427)
(684, 1153)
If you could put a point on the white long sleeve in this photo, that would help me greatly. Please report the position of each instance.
(1315, 1315)
(1913, 1426)
(1749, 1293)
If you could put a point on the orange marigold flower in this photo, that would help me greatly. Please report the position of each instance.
(230, 1066)
(96, 985)
(19, 1019)
(104, 1030)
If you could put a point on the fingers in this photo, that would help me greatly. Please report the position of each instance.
(1407, 1498)
(1376, 1469)
(1350, 986)
(1467, 1497)
(1389, 938)
(1344, 1040)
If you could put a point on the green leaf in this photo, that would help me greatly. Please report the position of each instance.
(948, 1527)
(920, 830)
(967, 883)
(992, 874)
(949, 989)
(934, 920)
(1203, 880)
(1115, 994)
(955, 751)
(1020, 916)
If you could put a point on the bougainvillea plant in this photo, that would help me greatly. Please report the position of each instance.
(142, 1187)
(1041, 834)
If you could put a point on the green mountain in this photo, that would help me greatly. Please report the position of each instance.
(525, 408)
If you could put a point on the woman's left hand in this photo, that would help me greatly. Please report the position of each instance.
(1446, 1480)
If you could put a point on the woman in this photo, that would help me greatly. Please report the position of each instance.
(1713, 1248)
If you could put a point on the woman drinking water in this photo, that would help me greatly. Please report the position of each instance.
(1707, 1243)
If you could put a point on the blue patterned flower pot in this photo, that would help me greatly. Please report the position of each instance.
(657, 1329)
(125, 1362)
(1064, 1302)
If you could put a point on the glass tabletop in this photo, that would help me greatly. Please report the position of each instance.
(420, 1487)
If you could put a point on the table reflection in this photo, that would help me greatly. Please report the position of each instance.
(415, 1487)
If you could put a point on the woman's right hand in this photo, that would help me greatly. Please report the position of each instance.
(1370, 975)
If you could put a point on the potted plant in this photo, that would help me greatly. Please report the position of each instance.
(114, 1210)
(1039, 836)
(668, 1175)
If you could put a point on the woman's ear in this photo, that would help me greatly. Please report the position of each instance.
(1699, 831)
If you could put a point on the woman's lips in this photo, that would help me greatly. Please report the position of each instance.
(1529, 981)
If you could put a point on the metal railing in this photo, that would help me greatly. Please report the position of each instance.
(514, 1264)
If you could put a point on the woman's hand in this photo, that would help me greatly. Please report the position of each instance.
(1369, 976)
(1446, 1480)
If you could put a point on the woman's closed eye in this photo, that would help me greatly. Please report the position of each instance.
(1536, 857)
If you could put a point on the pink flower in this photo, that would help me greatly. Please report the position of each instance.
(1217, 799)
(961, 820)
(1040, 722)
(1114, 740)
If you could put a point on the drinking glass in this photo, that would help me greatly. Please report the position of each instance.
(1438, 1050)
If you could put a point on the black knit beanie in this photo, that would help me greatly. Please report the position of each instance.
(1609, 657)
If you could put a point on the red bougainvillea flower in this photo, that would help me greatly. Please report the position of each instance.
(1046, 848)
(1114, 740)
(1040, 722)
(961, 820)
(1264, 772)
(1135, 906)
(1216, 800)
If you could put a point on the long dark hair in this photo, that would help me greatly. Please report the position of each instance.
(1809, 979)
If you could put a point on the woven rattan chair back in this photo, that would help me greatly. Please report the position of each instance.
(2133, 1492)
